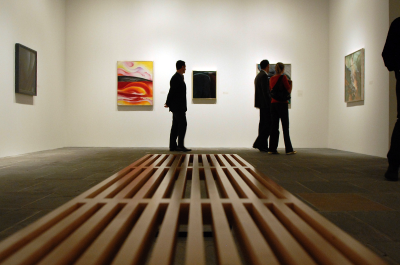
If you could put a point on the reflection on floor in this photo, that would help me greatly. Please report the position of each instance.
(346, 188)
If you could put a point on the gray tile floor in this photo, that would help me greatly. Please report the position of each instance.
(32, 185)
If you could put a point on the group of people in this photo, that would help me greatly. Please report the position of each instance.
(271, 109)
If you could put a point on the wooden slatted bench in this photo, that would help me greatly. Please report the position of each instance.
(134, 217)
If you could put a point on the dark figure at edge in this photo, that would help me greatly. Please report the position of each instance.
(391, 57)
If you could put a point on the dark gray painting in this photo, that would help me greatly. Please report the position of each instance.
(25, 70)
(205, 84)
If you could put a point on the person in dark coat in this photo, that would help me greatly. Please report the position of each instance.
(176, 102)
(391, 58)
(262, 101)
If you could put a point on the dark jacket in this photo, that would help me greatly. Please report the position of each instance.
(391, 52)
(262, 97)
(176, 99)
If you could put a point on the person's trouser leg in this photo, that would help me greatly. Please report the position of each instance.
(284, 114)
(182, 125)
(257, 142)
(274, 136)
(394, 151)
(174, 132)
(264, 128)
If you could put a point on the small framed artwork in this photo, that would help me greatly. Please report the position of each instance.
(25, 70)
(354, 76)
(135, 83)
(204, 84)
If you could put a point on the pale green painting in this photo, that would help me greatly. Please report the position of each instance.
(354, 76)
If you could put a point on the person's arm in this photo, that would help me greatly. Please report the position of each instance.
(287, 84)
(171, 97)
(265, 87)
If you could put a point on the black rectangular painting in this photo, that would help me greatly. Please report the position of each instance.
(205, 84)
(25, 70)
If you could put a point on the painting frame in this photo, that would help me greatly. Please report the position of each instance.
(204, 84)
(354, 76)
(25, 70)
(135, 83)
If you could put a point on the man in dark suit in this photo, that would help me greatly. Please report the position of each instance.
(263, 102)
(176, 102)
(391, 57)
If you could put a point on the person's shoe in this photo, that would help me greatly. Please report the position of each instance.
(273, 153)
(172, 149)
(265, 150)
(260, 148)
(291, 153)
(392, 173)
(183, 149)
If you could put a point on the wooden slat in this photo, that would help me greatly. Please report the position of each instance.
(115, 231)
(103, 249)
(109, 181)
(285, 246)
(195, 253)
(116, 221)
(356, 252)
(35, 250)
(288, 249)
(225, 244)
(75, 244)
(23, 237)
(133, 175)
(320, 249)
(131, 251)
(165, 244)
(258, 250)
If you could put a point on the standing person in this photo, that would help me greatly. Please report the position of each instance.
(391, 57)
(262, 101)
(279, 110)
(176, 102)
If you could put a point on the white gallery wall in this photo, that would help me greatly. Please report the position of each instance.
(27, 123)
(229, 36)
(80, 41)
(359, 127)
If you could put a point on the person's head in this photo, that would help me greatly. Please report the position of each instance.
(264, 64)
(180, 67)
(279, 68)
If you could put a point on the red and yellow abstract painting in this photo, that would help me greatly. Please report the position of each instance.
(135, 83)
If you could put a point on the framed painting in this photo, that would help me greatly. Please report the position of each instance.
(135, 83)
(204, 84)
(354, 76)
(25, 70)
(287, 72)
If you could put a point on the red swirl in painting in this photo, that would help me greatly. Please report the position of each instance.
(135, 83)
(135, 93)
